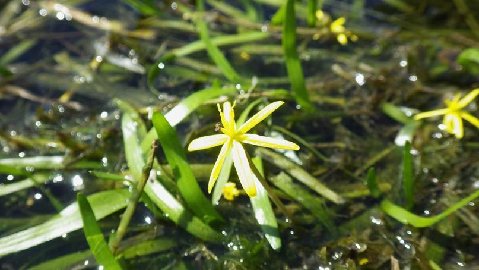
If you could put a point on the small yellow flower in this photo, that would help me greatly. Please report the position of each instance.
(231, 141)
(454, 113)
(230, 192)
(342, 34)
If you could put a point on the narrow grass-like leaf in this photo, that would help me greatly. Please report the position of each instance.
(10, 169)
(305, 198)
(395, 112)
(49, 162)
(149, 247)
(32, 181)
(406, 217)
(192, 47)
(103, 204)
(406, 133)
(185, 108)
(293, 65)
(145, 7)
(300, 174)
(374, 159)
(311, 15)
(178, 214)
(16, 51)
(94, 236)
(157, 193)
(408, 176)
(263, 212)
(215, 54)
(185, 179)
(63, 262)
(372, 183)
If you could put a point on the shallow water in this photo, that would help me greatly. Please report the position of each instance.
(62, 65)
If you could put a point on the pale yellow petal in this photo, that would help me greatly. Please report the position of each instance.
(259, 116)
(468, 98)
(430, 114)
(229, 117)
(207, 142)
(470, 118)
(224, 152)
(268, 142)
(453, 125)
(245, 175)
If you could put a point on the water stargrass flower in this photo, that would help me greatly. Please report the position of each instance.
(230, 192)
(454, 113)
(232, 139)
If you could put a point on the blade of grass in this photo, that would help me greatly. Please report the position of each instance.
(311, 15)
(372, 183)
(299, 173)
(94, 236)
(293, 65)
(305, 198)
(157, 193)
(32, 181)
(199, 45)
(149, 247)
(263, 211)
(49, 162)
(16, 51)
(103, 204)
(63, 262)
(408, 176)
(215, 54)
(185, 179)
(404, 216)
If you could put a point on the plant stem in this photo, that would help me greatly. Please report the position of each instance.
(135, 196)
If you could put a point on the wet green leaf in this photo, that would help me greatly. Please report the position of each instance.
(408, 176)
(103, 203)
(94, 236)
(63, 262)
(293, 65)
(185, 179)
(404, 216)
(149, 247)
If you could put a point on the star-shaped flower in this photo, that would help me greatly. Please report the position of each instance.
(232, 139)
(454, 113)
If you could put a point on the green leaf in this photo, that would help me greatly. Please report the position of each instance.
(311, 15)
(175, 211)
(63, 262)
(16, 51)
(372, 183)
(299, 173)
(185, 108)
(215, 54)
(145, 7)
(32, 181)
(469, 59)
(185, 179)
(404, 216)
(408, 176)
(293, 65)
(263, 212)
(199, 45)
(94, 236)
(103, 204)
(149, 247)
(157, 193)
(49, 162)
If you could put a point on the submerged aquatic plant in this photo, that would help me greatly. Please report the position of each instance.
(232, 139)
(454, 113)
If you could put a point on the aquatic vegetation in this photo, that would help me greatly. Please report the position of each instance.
(454, 113)
(100, 101)
(231, 141)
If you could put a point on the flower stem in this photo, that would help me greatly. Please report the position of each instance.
(133, 201)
